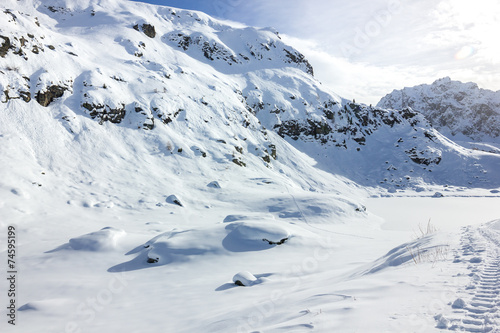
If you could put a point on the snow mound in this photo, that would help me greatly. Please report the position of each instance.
(458, 304)
(424, 249)
(494, 224)
(245, 279)
(54, 306)
(247, 217)
(179, 246)
(254, 236)
(102, 240)
(175, 246)
(214, 184)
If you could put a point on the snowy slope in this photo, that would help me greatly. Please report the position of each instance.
(151, 157)
(452, 107)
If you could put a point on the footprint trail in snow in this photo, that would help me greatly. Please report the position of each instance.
(478, 310)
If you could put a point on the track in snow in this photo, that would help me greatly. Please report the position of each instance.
(478, 310)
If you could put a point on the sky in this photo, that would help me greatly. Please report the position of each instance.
(363, 49)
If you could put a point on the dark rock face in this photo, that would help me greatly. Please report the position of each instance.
(215, 51)
(4, 48)
(422, 157)
(299, 58)
(351, 122)
(295, 128)
(105, 112)
(46, 97)
(239, 162)
(211, 50)
(148, 29)
(24, 95)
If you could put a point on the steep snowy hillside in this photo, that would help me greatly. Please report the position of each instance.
(452, 107)
(155, 73)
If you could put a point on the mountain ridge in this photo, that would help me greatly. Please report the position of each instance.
(453, 107)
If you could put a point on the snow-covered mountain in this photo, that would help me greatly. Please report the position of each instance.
(214, 90)
(452, 107)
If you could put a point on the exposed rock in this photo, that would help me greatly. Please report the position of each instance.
(44, 98)
(213, 50)
(425, 157)
(282, 241)
(239, 162)
(105, 112)
(4, 48)
(299, 58)
(352, 121)
(149, 30)
(173, 199)
(24, 95)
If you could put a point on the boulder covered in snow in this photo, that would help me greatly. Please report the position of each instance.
(173, 199)
(214, 184)
(254, 236)
(245, 279)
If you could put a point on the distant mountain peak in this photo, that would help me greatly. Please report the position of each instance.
(453, 107)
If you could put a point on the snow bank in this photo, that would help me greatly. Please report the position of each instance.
(424, 249)
(254, 236)
(102, 240)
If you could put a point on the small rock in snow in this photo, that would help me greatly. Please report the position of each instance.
(173, 199)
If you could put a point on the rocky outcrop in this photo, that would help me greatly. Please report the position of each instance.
(257, 46)
(148, 29)
(105, 113)
(424, 157)
(4, 48)
(47, 96)
(353, 122)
